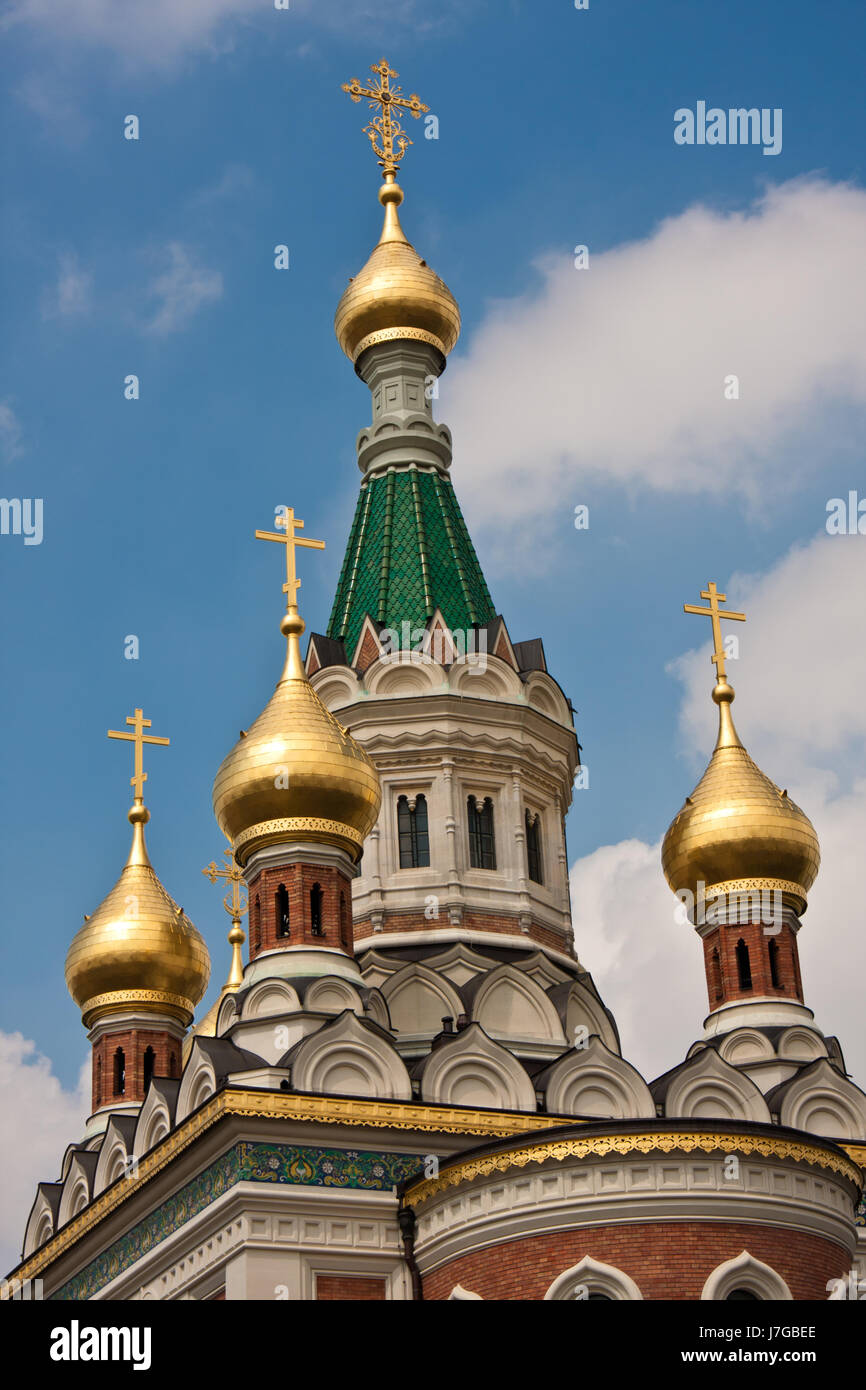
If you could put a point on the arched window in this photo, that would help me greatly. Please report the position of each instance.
(172, 1065)
(741, 1296)
(281, 903)
(149, 1060)
(744, 970)
(533, 847)
(316, 910)
(257, 924)
(773, 953)
(119, 1072)
(482, 845)
(344, 920)
(716, 974)
(412, 832)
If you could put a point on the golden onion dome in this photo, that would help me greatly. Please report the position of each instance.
(738, 832)
(396, 295)
(297, 774)
(138, 950)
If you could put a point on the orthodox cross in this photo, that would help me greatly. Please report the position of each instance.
(138, 738)
(289, 523)
(384, 128)
(235, 901)
(714, 598)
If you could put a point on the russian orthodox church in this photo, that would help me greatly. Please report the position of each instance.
(413, 1088)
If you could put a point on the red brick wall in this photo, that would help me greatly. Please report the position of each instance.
(299, 880)
(667, 1260)
(494, 923)
(134, 1043)
(348, 1288)
(724, 939)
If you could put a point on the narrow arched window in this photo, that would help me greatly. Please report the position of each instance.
(316, 910)
(257, 923)
(773, 953)
(716, 974)
(119, 1072)
(412, 832)
(744, 969)
(149, 1060)
(172, 1065)
(533, 847)
(281, 904)
(344, 920)
(482, 845)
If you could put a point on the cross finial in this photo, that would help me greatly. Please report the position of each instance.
(286, 519)
(385, 133)
(235, 901)
(714, 598)
(138, 738)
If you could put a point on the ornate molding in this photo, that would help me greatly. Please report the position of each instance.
(279, 1105)
(602, 1146)
(390, 335)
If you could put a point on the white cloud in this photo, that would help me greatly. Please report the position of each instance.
(10, 433)
(158, 33)
(623, 364)
(801, 713)
(72, 292)
(181, 290)
(41, 1120)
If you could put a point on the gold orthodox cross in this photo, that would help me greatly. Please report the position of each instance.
(289, 523)
(235, 901)
(714, 598)
(384, 127)
(139, 738)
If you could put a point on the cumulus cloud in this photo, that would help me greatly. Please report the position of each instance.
(181, 290)
(72, 292)
(624, 363)
(41, 1119)
(800, 712)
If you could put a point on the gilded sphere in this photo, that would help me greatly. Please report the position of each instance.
(296, 775)
(396, 295)
(137, 951)
(739, 832)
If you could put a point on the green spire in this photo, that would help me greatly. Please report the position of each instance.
(409, 553)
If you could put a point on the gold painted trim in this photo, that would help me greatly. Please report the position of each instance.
(755, 885)
(138, 996)
(603, 1145)
(279, 1105)
(314, 825)
(390, 335)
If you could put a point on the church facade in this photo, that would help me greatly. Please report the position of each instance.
(413, 1088)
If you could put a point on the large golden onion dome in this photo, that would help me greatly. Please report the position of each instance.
(396, 295)
(297, 774)
(138, 950)
(738, 832)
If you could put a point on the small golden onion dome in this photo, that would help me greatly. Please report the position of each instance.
(297, 774)
(738, 832)
(138, 950)
(396, 295)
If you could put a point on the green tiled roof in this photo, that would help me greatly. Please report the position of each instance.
(409, 553)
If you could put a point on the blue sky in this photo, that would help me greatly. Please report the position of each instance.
(156, 258)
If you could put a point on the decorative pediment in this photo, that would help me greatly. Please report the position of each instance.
(418, 999)
(349, 1057)
(78, 1186)
(330, 994)
(41, 1223)
(708, 1088)
(459, 964)
(821, 1101)
(269, 998)
(747, 1273)
(594, 1081)
(508, 1004)
(156, 1117)
(115, 1151)
(210, 1061)
(591, 1277)
(472, 1069)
